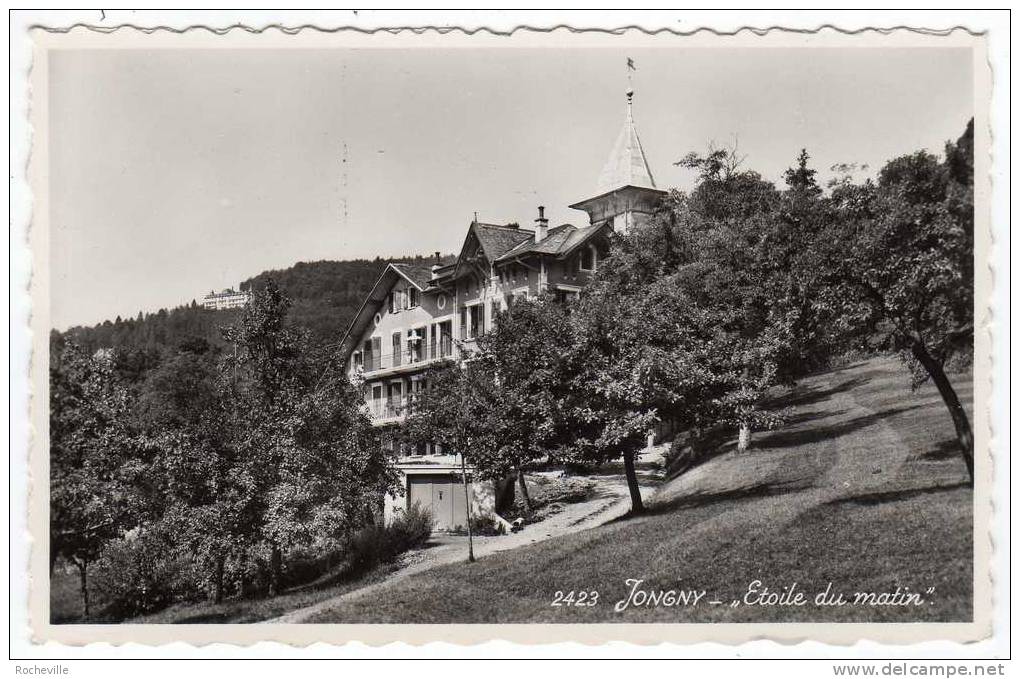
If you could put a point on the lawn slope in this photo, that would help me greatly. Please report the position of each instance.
(862, 489)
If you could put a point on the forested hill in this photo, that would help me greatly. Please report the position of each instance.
(325, 295)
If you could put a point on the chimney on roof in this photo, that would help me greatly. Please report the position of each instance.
(541, 225)
(437, 264)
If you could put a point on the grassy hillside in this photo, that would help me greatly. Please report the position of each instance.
(863, 489)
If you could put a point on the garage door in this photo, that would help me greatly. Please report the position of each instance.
(443, 495)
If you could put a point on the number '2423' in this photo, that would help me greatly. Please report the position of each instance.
(572, 598)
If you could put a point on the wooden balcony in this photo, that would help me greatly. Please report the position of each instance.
(408, 359)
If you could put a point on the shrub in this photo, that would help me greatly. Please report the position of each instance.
(579, 468)
(413, 526)
(485, 526)
(142, 573)
(693, 447)
(307, 565)
(376, 543)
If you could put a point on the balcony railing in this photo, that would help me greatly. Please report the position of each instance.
(394, 406)
(387, 408)
(419, 352)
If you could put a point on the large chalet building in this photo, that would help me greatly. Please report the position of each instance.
(417, 315)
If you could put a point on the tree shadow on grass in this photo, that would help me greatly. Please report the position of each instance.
(884, 497)
(801, 395)
(810, 416)
(799, 437)
(708, 498)
(946, 450)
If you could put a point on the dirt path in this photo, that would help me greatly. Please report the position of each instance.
(610, 500)
(857, 489)
(830, 467)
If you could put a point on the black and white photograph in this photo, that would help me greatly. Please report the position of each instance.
(370, 331)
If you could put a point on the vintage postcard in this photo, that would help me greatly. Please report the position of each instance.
(546, 336)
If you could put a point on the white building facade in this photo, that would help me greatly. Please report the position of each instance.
(417, 315)
(227, 299)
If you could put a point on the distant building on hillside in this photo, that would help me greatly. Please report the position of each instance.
(228, 299)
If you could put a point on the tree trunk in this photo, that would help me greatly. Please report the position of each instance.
(275, 570)
(467, 502)
(218, 584)
(744, 437)
(964, 435)
(83, 575)
(244, 583)
(636, 505)
(524, 489)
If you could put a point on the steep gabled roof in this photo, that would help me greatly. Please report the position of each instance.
(549, 245)
(497, 240)
(376, 297)
(627, 165)
(493, 241)
(580, 236)
(560, 242)
(418, 274)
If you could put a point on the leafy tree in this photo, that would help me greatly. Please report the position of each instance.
(307, 463)
(259, 455)
(179, 392)
(724, 269)
(724, 190)
(900, 260)
(452, 410)
(521, 357)
(745, 265)
(719, 163)
(333, 471)
(636, 354)
(92, 468)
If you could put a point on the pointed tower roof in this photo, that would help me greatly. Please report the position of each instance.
(627, 165)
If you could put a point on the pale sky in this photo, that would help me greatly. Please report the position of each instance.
(175, 172)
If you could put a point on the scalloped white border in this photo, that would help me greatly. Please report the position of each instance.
(471, 34)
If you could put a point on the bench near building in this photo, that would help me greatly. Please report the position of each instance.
(416, 315)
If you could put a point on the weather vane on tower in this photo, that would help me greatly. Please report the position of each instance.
(630, 82)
